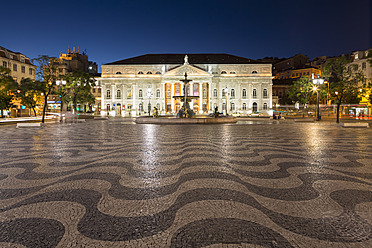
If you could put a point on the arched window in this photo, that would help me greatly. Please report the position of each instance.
(204, 93)
(215, 93)
(232, 72)
(244, 93)
(232, 93)
(244, 106)
(108, 94)
(140, 72)
(158, 106)
(157, 93)
(232, 106)
(158, 72)
(254, 107)
(223, 106)
(118, 94)
(118, 72)
(223, 93)
(254, 93)
(149, 72)
(223, 72)
(254, 72)
(265, 93)
(265, 106)
(140, 95)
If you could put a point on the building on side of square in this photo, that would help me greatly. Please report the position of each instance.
(20, 67)
(133, 86)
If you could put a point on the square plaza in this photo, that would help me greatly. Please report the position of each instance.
(113, 183)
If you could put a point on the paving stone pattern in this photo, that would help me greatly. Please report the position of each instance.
(112, 183)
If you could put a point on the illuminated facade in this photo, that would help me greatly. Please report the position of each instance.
(20, 67)
(135, 85)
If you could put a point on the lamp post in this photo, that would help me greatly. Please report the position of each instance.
(317, 81)
(61, 83)
(226, 90)
(149, 95)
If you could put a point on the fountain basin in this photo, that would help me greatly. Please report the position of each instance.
(176, 120)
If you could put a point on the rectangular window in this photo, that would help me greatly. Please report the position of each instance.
(99, 90)
(94, 90)
(5, 64)
(23, 69)
(14, 67)
(30, 71)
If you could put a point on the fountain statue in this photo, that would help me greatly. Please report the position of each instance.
(185, 111)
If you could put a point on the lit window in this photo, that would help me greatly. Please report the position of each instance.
(108, 94)
(168, 94)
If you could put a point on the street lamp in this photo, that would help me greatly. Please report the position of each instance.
(149, 95)
(226, 90)
(61, 83)
(317, 81)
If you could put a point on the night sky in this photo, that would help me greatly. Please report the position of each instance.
(115, 30)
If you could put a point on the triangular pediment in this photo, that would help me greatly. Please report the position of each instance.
(187, 68)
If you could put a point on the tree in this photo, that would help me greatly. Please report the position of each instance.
(46, 73)
(79, 84)
(343, 78)
(29, 91)
(7, 89)
(302, 90)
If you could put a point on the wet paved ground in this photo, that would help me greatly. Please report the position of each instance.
(116, 184)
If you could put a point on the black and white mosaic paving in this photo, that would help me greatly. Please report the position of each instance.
(116, 184)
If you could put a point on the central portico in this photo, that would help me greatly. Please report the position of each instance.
(132, 86)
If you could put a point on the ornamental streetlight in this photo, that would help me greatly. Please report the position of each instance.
(149, 95)
(317, 81)
(226, 90)
(60, 83)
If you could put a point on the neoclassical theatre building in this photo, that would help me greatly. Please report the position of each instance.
(136, 85)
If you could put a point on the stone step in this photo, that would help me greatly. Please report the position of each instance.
(30, 124)
(100, 118)
(305, 120)
(355, 125)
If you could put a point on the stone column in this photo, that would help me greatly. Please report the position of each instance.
(200, 97)
(113, 88)
(162, 98)
(210, 95)
(134, 108)
(191, 92)
(172, 94)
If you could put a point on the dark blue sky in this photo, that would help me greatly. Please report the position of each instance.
(114, 30)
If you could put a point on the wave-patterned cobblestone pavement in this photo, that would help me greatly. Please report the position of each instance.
(116, 184)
